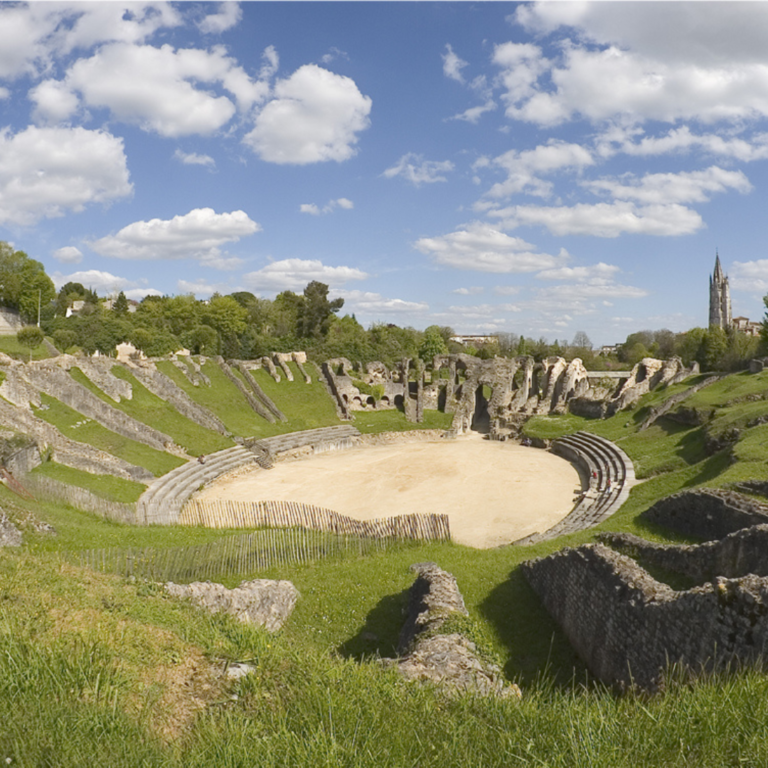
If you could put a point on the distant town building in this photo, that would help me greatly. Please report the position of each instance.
(475, 341)
(745, 325)
(719, 298)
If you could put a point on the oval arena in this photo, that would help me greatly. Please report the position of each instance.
(494, 493)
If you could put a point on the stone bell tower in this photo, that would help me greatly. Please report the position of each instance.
(719, 298)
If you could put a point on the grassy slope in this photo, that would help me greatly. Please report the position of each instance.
(78, 427)
(11, 347)
(306, 406)
(151, 410)
(222, 398)
(106, 486)
(395, 421)
(307, 707)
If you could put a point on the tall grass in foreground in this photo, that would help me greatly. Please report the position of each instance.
(67, 706)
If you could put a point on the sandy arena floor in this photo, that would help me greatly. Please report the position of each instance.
(493, 492)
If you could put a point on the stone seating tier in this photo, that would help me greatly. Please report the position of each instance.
(163, 500)
(598, 461)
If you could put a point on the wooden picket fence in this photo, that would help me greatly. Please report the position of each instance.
(290, 514)
(230, 556)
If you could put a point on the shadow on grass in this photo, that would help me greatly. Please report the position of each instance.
(536, 644)
(381, 631)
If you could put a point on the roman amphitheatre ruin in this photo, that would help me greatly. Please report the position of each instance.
(214, 443)
(473, 482)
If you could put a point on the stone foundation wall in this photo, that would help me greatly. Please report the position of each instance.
(707, 514)
(628, 627)
(739, 553)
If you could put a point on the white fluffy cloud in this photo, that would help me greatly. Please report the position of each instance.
(751, 276)
(201, 287)
(452, 65)
(68, 255)
(603, 219)
(633, 141)
(314, 117)
(154, 88)
(331, 205)
(414, 168)
(228, 15)
(473, 114)
(106, 283)
(663, 188)
(473, 291)
(612, 83)
(32, 35)
(483, 248)
(366, 302)
(523, 168)
(671, 32)
(294, 274)
(199, 234)
(45, 172)
(595, 272)
(192, 158)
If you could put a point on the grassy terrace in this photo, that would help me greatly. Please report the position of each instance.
(306, 406)
(11, 347)
(222, 398)
(151, 410)
(106, 486)
(78, 427)
(94, 667)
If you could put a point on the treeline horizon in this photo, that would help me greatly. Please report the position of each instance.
(244, 326)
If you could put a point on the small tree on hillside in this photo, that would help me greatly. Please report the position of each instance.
(432, 344)
(30, 336)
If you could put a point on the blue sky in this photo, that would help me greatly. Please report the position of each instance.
(536, 168)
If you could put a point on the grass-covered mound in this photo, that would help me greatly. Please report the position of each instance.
(75, 689)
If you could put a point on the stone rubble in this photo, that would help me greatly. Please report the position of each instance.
(448, 660)
(263, 602)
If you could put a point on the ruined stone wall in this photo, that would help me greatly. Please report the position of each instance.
(59, 384)
(329, 377)
(628, 627)
(66, 451)
(255, 404)
(739, 553)
(99, 371)
(259, 393)
(707, 513)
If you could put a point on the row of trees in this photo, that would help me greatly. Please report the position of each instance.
(244, 326)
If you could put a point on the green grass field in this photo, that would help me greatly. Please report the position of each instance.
(97, 668)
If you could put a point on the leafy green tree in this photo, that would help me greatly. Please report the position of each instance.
(30, 336)
(432, 343)
(24, 286)
(225, 315)
(316, 311)
(120, 305)
(690, 346)
(714, 348)
(64, 339)
(347, 338)
(202, 340)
